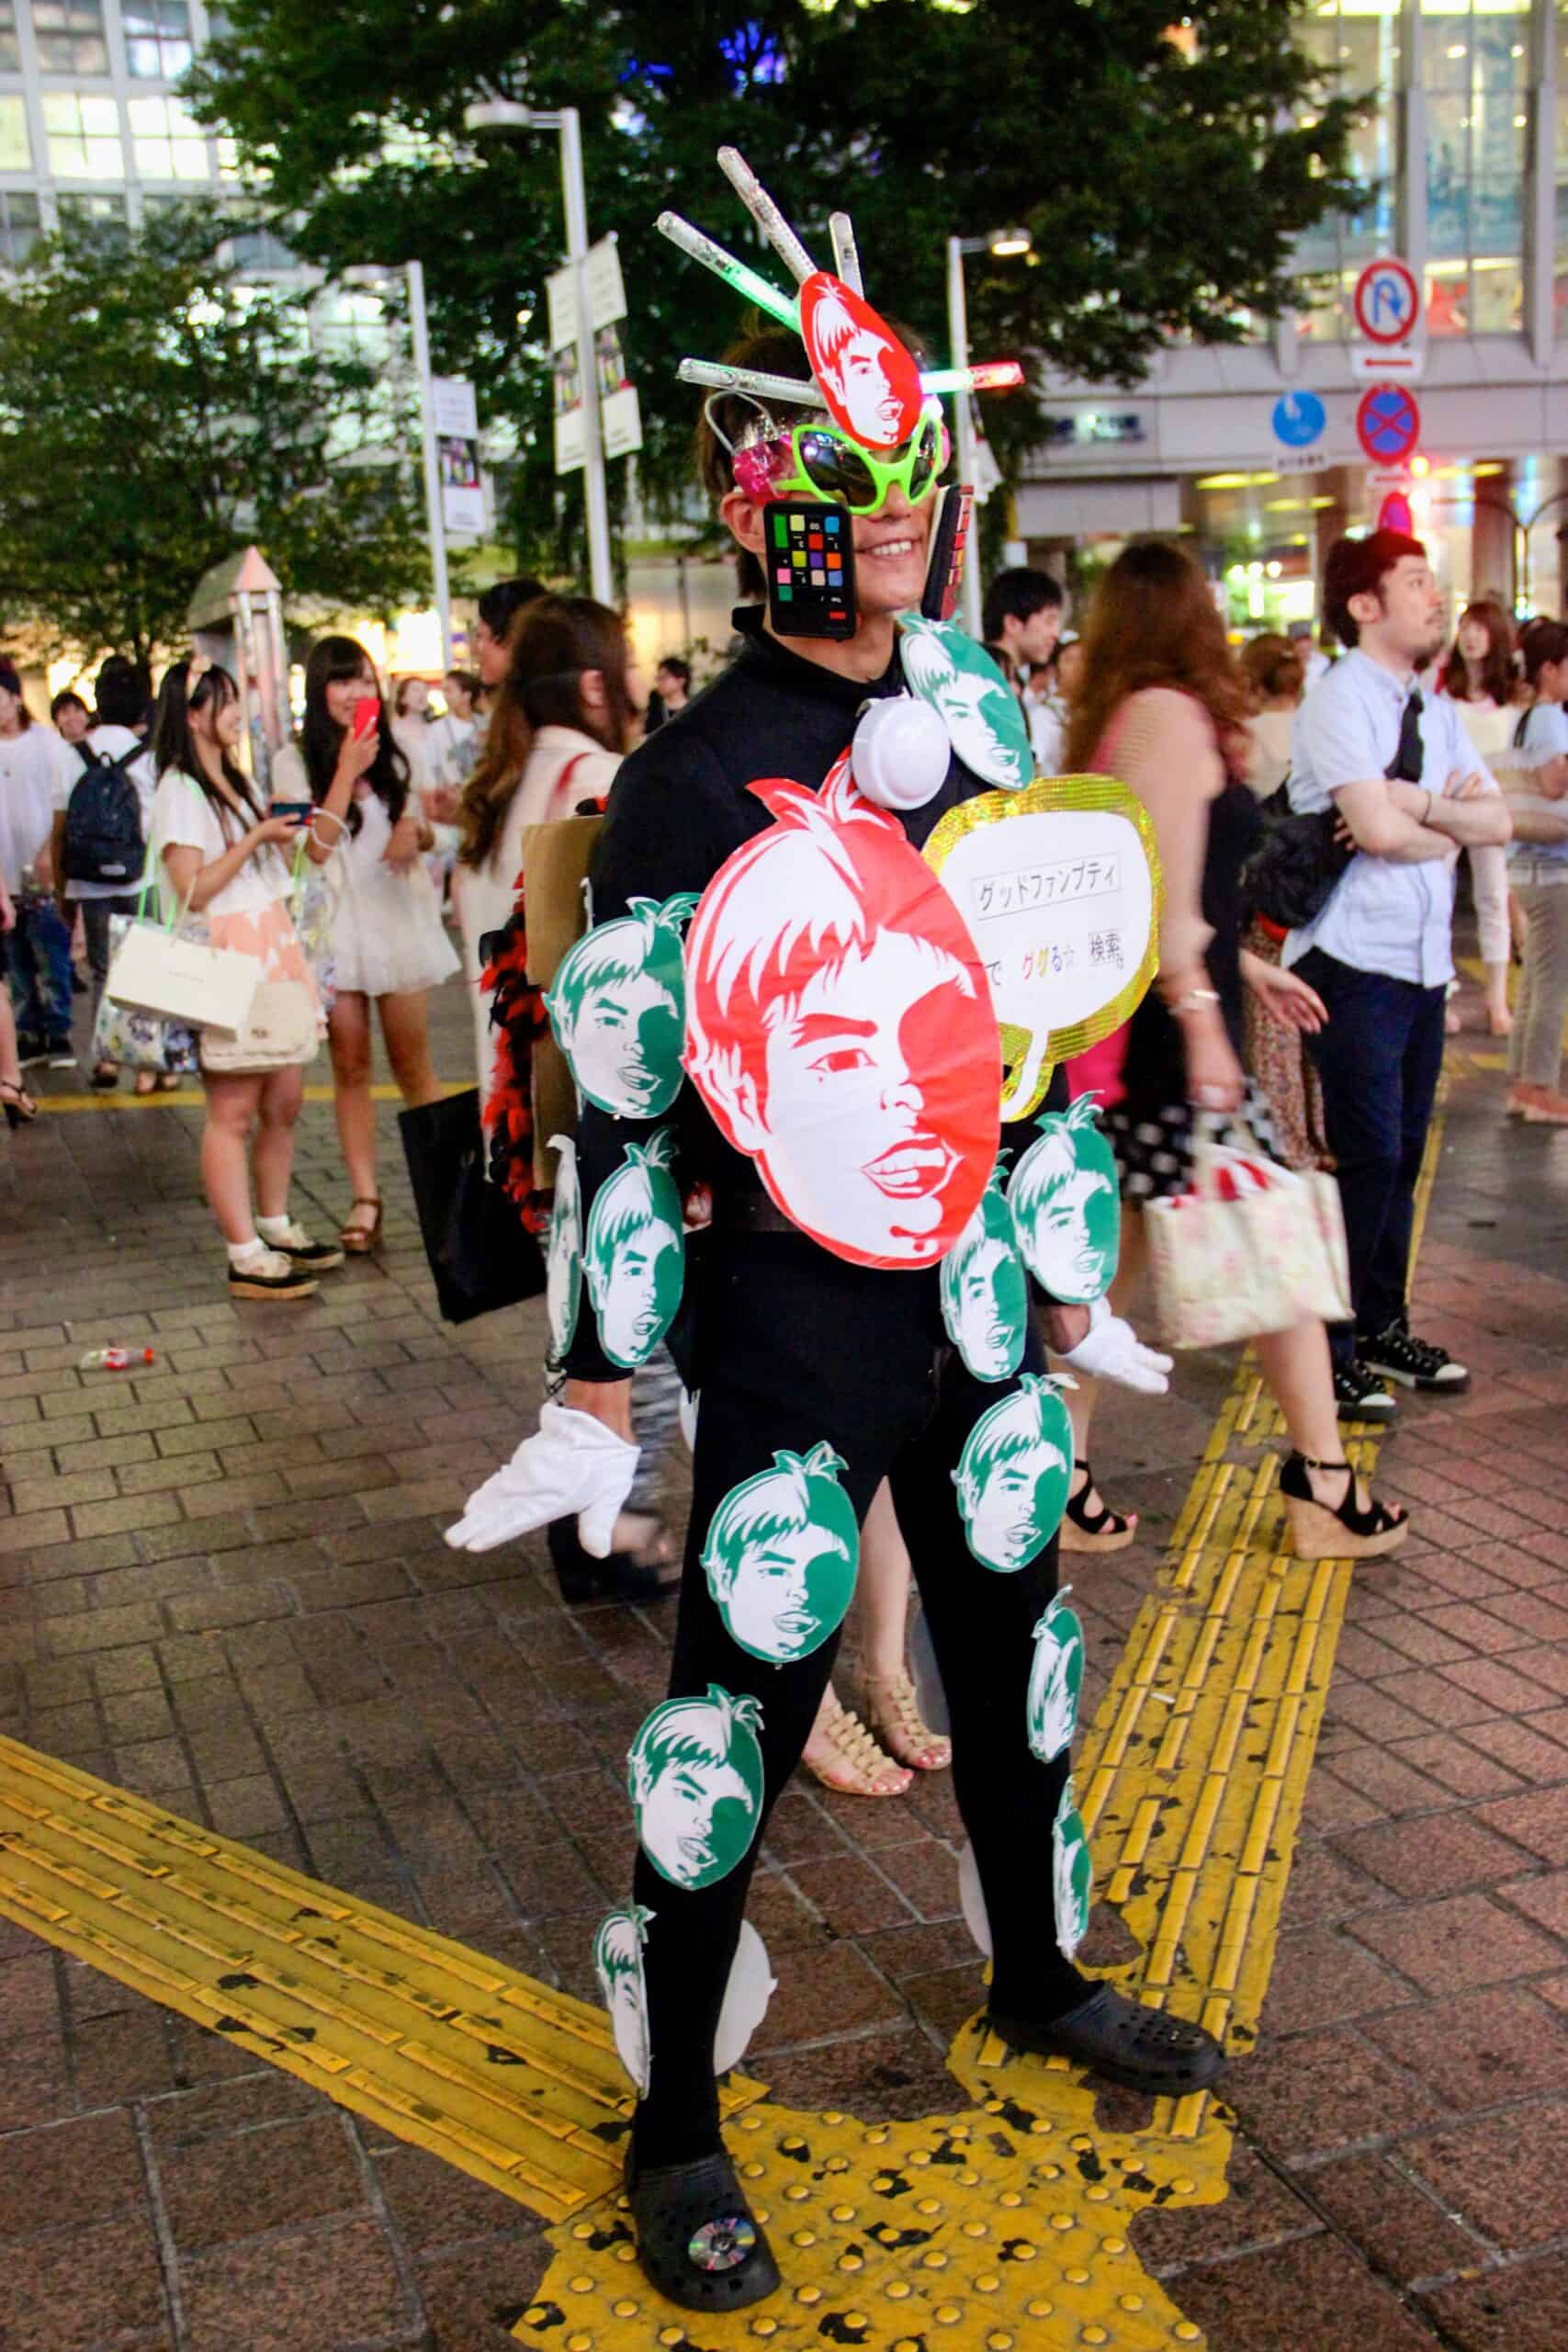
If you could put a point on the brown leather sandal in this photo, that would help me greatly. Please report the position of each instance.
(892, 1715)
(855, 1765)
(360, 1239)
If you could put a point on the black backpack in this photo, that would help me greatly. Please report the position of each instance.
(102, 822)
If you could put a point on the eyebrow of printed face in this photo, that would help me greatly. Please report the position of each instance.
(816, 1025)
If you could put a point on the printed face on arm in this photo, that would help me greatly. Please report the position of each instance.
(563, 1257)
(1066, 1207)
(1013, 1475)
(985, 1292)
(635, 1258)
(617, 1007)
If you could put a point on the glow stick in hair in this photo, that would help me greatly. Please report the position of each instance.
(846, 252)
(766, 296)
(988, 376)
(720, 379)
(766, 213)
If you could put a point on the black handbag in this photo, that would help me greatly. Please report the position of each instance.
(1290, 876)
(481, 1253)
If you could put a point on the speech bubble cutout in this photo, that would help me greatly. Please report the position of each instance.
(1060, 887)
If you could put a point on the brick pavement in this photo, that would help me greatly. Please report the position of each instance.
(222, 1584)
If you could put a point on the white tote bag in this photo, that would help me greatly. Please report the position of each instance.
(1252, 1248)
(157, 970)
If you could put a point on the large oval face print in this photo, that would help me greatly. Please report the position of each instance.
(839, 1029)
(869, 381)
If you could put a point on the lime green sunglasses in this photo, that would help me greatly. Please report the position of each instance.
(819, 461)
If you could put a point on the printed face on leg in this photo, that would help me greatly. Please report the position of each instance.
(1013, 1475)
(636, 1253)
(617, 1007)
(617, 1964)
(1072, 1874)
(1055, 1680)
(695, 1778)
(985, 1294)
(969, 693)
(839, 1029)
(780, 1556)
(1066, 1207)
(563, 1257)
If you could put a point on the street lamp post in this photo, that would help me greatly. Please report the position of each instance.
(1006, 243)
(435, 518)
(504, 115)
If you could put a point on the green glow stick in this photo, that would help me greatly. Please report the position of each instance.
(766, 296)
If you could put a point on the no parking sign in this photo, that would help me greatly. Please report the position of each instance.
(1388, 423)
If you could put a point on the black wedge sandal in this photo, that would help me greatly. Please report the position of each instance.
(1350, 1532)
(622, 1576)
(697, 2239)
(1094, 1530)
(1123, 2042)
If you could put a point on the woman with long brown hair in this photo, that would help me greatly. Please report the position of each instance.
(1479, 675)
(1163, 707)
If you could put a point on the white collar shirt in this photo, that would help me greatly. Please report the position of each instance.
(1380, 916)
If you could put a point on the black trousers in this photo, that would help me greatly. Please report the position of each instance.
(791, 1347)
(1379, 1061)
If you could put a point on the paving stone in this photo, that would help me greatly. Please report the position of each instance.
(1476, 2049)
(1502, 2174)
(1452, 1946)
(297, 2290)
(1522, 2309)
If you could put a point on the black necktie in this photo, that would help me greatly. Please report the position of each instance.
(1406, 762)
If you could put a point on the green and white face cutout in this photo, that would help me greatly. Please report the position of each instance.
(635, 1256)
(617, 1964)
(619, 1008)
(985, 1292)
(694, 1774)
(971, 697)
(780, 1556)
(1055, 1680)
(563, 1250)
(1066, 1207)
(1013, 1475)
(1072, 1874)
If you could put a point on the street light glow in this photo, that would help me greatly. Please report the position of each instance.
(1008, 244)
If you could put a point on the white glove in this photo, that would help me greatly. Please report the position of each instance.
(1112, 1350)
(572, 1464)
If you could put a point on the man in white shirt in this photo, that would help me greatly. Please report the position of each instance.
(122, 702)
(1411, 793)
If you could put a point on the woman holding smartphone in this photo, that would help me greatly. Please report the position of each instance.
(220, 855)
(387, 941)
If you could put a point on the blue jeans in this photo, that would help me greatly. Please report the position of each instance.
(40, 971)
(1379, 1061)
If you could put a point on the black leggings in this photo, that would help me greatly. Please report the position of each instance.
(792, 1347)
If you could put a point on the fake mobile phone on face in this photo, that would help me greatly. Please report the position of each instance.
(809, 560)
(366, 718)
(950, 540)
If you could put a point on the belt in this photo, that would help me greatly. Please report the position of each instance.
(750, 1212)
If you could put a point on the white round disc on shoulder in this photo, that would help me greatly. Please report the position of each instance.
(901, 752)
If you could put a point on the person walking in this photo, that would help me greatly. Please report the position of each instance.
(1537, 872)
(219, 855)
(41, 941)
(389, 947)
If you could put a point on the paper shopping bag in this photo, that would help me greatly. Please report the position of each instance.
(155, 970)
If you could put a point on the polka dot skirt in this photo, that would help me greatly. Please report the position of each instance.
(1154, 1156)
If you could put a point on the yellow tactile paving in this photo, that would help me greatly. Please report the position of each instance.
(1005, 2225)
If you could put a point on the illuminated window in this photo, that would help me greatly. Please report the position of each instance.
(83, 135)
(16, 147)
(20, 228)
(10, 47)
(1476, 71)
(1356, 44)
(168, 145)
(70, 36)
(157, 39)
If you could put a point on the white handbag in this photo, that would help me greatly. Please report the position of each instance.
(1252, 1248)
(159, 968)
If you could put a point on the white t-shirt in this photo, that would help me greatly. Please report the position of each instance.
(107, 743)
(454, 747)
(184, 818)
(28, 798)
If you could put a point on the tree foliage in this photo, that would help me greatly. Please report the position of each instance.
(155, 415)
(1164, 190)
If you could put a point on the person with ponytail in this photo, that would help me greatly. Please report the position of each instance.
(219, 855)
(388, 942)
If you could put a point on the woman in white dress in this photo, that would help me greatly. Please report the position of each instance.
(389, 947)
(1479, 675)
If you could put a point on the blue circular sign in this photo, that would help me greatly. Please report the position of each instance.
(1388, 423)
(1299, 419)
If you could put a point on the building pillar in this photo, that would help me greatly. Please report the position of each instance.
(1493, 554)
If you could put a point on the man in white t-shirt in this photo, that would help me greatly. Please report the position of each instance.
(39, 947)
(122, 703)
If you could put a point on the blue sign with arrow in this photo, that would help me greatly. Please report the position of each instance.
(1299, 419)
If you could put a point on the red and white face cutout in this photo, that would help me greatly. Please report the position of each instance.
(871, 383)
(839, 1028)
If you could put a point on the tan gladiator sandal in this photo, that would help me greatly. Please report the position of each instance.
(892, 1713)
(854, 1765)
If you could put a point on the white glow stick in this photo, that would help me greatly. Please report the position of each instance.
(766, 296)
(720, 379)
(766, 213)
(846, 254)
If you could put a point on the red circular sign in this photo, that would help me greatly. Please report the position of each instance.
(1386, 302)
(1388, 423)
(870, 382)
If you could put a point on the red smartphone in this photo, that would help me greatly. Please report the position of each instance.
(366, 718)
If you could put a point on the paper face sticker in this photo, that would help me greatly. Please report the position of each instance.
(563, 1251)
(1067, 1205)
(1013, 1475)
(869, 381)
(839, 1029)
(1072, 1874)
(985, 1292)
(971, 697)
(780, 1556)
(746, 1996)
(636, 1255)
(617, 1007)
(1060, 886)
(617, 1964)
(1056, 1679)
(695, 1778)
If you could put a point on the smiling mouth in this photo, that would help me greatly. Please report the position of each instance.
(890, 551)
(911, 1171)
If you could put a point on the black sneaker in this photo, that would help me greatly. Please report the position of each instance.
(30, 1051)
(309, 1257)
(59, 1054)
(1358, 1396)
(269, 1275)
(1397, 1355)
